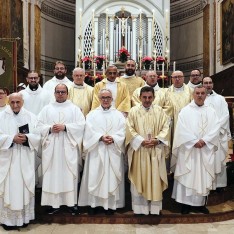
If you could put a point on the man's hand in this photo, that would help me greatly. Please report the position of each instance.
(150, 143)
(107, 140)
(57, 128)
(20, 138)
(199, 144)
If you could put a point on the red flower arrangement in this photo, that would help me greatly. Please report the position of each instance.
(123, 54)
(160, 59)
(100, 59)
(147, 59)
(86, 59)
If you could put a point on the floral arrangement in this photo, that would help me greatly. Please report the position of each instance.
(123, 54)
(147, 59)
(91, 80)
(86, 59)
(160, 59)
(100, 59)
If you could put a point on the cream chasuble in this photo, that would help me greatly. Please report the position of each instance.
(132, 82)
(219, 104)
(103, 178)
(147, 169)
(81, 96)
(122, 101)
(61, 157)
(17, 170)
(159, 94)
(194, 167)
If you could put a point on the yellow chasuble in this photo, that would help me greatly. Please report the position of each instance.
(81, 96)
(122, 102)
(147, 168)
(159, 97)
(132, 82)
(175, 101)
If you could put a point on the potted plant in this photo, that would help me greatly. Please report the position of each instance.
(123, 54)
(147, 62)
(99, 61)
(87, 60)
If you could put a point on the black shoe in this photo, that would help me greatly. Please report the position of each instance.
(92, 211)
(185, 209)
(202, 209)
(109, 212)
(219, 190)
(52, 211)
(24, 225)
(9, 228)
(73, 210)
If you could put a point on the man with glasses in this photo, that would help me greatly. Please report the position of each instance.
(35, 98)
(103, 178)
(151, 81)
(219, 104)
(119, 90)
(195, 79)
(61, 125)
(130, 79)
(80, 93)
(60, 72)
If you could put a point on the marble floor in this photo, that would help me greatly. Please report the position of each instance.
(226, 227)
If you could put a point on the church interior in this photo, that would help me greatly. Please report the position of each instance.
(172, 34)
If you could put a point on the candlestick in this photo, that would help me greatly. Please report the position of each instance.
(107, 23)
(166, 14)
(174, 66)
(93, 24)
(140, 25)
(80, 21)
(153, 28)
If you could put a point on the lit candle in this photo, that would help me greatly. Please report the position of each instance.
(174, 66)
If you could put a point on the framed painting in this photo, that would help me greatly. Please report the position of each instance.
(227, 31)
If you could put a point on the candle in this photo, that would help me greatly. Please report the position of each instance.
(84, 66)
(80, 21)
(153, 28)
(167, 31)
(163, 70)
(174, 66)
(140, 25)
(106, 23)
(93, 24)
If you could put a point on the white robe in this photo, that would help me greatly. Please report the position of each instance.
(50, 85)
(61, 153)
(103, 178)
(194, 168)
(219, 104)
(17, 172)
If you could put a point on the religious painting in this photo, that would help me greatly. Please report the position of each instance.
(227, 29)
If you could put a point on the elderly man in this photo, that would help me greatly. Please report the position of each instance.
(61, 124)
(119, 90)
(80, 93)
(195, 79)
(103, 178)
(151, 81)
(130, 79)
(18, 145)
(194, 146)
(60, 72)
(219, 104)
(147, 142)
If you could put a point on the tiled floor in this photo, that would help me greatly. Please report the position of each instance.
(226, 227)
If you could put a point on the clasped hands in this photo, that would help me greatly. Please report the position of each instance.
(20, 138)
(199, 144)
(107, 140)
(150, 143)
(56, 128)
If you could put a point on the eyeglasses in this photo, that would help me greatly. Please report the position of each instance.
(59, 68)
(177, 77)
(108, 98)
(195, 75)
(33, 78)
(60, 92)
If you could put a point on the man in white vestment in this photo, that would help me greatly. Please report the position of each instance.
(193, 160)
(152, 81)
(147, 142)
(80, 93)
(61, 125)
(195, 79)
(18, 145)
(35, 98)
(60, 72)
(102, 183)
(220, 105)
(3, 99)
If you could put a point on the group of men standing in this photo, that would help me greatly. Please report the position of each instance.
(65, 122)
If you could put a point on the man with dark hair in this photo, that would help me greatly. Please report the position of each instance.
(61, 125)
(130, 79)
(193, 160)
(195, 79)
(60, 72)
(147, 147)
